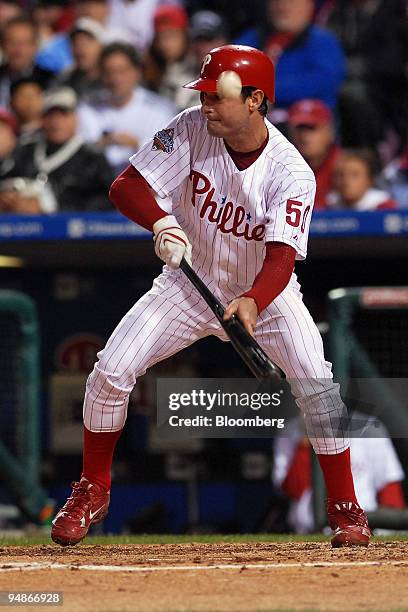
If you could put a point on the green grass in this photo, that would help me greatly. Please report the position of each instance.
(36, 540)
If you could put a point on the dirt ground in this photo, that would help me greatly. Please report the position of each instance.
(338, 580)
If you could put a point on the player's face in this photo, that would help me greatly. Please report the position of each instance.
(225, 116)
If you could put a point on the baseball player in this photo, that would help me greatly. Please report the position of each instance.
(224, 188)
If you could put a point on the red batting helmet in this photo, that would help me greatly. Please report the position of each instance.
(253, 66)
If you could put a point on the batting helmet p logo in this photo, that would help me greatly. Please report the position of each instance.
(206, 61)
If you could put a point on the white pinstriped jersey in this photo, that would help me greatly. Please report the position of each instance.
(229, 214)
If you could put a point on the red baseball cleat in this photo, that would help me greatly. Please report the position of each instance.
(87, 504)
(349, 524)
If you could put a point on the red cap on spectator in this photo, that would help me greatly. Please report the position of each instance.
(6, 117)
(170, 16)
(309, 112)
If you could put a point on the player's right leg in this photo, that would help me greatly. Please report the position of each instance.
(289, 335)
(170, 317)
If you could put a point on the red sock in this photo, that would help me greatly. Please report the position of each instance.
(98, 455)
(338, 476)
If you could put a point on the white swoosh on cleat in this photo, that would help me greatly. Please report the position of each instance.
(92, 514)
(61, 513)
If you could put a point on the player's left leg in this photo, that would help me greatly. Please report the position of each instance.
(289, 335)
(167, 319)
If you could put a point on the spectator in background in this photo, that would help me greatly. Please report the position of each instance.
(354, 179)
(207, 31)
(57, 172)
(99, 10)
(130, 114)
(8, 140)
(166, 65)
(309, 60)
(313, 133)
(239, 14)
(8, 10)
(374, 99)
(166, 74)
(84, 77)
(54, 49)
(26, 102)
(395, 179)
(322, 9)
(134, 18)
(376, 468)
(19, 40)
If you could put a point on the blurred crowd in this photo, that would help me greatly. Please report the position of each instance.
(84, 83)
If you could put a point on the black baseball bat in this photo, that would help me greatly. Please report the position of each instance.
(246, 346)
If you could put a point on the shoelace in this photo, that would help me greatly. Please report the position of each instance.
(355, 514)
(77, 503)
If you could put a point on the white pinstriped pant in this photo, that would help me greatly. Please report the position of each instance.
(172, 315)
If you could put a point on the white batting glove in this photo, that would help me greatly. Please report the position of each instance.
(170, 242)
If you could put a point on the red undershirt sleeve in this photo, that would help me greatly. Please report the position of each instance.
(131, 195)
(274, 274)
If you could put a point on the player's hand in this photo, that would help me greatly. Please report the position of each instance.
(170, 242)
(246, 310)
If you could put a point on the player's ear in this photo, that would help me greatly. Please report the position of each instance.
(256, 99)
